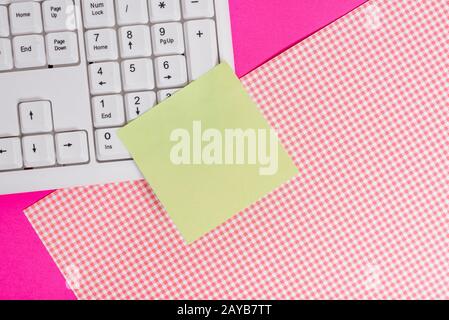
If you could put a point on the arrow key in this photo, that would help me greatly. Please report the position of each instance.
(35, 117)
(38, 151)
(72, 148)
(10, 154)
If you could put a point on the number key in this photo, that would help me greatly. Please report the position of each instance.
(101, 45)
(109, 146)
(138, 103)
(135, 42)
(168, 39)
(108, 111)
(171, 71)
(137, 75)
(104, 78)
(165, 94)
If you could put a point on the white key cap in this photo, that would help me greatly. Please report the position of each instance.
(98, 13)
(171, 71)
(72, 148)
(35, 117)
(165, 94)
(104, 78)
(138, 103)
(201, 47)
(131, 12)
(25, 17)
(29, 51)
(108, 111)
(101, 45)
(168, 39)
(62, 48)
(164, 10)
(137, 75)
(195, 9)
(109, 146)
(10, 154)
(135, 41)
(4, 24)
(38, 151)
(59, 15)
(5, 55)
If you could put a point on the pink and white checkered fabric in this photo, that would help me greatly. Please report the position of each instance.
(363, 108)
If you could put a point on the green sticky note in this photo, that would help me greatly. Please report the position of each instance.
(207, 152)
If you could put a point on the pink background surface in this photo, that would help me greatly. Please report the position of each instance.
(261, 29)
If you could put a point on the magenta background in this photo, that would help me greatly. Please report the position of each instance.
(261, 29)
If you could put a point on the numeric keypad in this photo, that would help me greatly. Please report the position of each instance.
(144, 54)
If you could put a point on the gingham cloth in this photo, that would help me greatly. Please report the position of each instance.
(362, 107)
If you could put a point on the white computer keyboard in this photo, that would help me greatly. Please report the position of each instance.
(74, 71)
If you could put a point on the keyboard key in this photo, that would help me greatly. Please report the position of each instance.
(38, 151)
(171, 71)
(165, 94)
(6, 62)
(109, 146)
(104, 78)
(167, 10)
(62, 48)
(59, 15)
(98, 14)
(138, 103)
(10, 154)
(4, 23)
(29, 51)
(168, 39)
(35, 117)
(101, 45)
(108, 111)
(195, 9)
(72, 148)
(137, 75)
(25, 17)
(131, 12)
(201, 47)
(135, 41)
